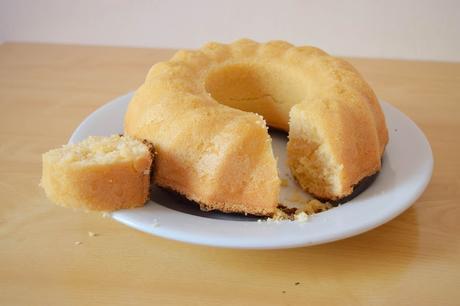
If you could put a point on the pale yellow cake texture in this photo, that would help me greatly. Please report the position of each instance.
(99, 173)
(207, 111)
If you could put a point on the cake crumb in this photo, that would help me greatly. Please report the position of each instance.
(77, 242)
(92, 234)
(284, 182)
(314, 206)
(278, 216)
(284, 291)
(297, 283)
(301, 217)
(105, 214)
(284, 213)
(296, 197)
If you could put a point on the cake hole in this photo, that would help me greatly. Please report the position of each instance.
(267, 91)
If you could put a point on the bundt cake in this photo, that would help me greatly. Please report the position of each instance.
(207, 111)
(99, 173)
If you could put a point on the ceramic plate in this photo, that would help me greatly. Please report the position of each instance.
(406, 171)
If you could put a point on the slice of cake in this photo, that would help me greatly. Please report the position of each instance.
(99, 173)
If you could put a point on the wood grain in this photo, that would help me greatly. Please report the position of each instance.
(47, 90)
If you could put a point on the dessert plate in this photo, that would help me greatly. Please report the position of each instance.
(406, 170)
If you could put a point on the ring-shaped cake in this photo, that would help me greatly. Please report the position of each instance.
(207, 111)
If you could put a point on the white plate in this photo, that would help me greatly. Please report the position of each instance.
(406, 171)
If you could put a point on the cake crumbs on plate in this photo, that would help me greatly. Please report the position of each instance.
(284, 182)
(314, 206)
(284, 213)
(301, 217)
(296, 197)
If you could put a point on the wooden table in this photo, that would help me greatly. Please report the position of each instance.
(47, 90)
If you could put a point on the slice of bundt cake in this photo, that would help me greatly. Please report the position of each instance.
(99, 173)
